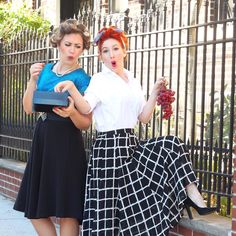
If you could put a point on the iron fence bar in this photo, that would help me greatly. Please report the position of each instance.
(135, 68)
(163, 58)
(212, 172)
(218, 194)
(158, 48)
(92, 52)
(222, 99)
(141, 63)
(154, 119)
(186, 76)
(232, 109)
(213, 68)
(21, 73)
(14, 148)
(203, 163)
(27, 119)
(18, 96)
(1, 94)
(16, 137)
(10, 97)
(33, 50)
(224, 169)
(149, 23)
(171, 61)
(4, 111)
(193, 91)
(193, 26)
(178, 75)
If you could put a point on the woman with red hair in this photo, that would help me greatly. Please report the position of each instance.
(133, 188)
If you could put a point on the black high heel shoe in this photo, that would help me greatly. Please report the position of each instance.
(200, 210)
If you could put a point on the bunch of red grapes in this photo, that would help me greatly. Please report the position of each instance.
(165, 99)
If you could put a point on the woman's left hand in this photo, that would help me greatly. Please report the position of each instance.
(66, 111)
(158, 86)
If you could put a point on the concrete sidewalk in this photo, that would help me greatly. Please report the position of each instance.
(13, 223)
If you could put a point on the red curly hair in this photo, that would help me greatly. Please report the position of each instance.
(111, 32)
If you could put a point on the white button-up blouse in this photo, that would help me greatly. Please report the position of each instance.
(116, 104)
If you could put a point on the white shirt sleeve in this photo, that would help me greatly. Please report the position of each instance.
(91, 94)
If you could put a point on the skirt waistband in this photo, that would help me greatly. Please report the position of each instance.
(52, 116)
(117, 131)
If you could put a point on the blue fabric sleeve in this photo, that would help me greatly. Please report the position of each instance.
(82, 82)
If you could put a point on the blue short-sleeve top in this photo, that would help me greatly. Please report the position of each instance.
(48, 79)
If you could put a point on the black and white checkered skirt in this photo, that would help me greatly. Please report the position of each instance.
(135, 188)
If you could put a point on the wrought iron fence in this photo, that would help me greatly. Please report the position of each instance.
(173, 40)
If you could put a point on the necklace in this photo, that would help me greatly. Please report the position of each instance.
(66, 71)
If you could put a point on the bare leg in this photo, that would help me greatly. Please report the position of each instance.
(194, 195)
(44, 227)
(69, 226)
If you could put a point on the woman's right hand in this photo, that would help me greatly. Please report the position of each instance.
(35, 70)
(63, 86)
(66, 111)
(80, 103)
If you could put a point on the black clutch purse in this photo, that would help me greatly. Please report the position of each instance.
(44, 101)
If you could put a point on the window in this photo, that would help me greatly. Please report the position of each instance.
(117, 6)
(221, 9)
(36, 4)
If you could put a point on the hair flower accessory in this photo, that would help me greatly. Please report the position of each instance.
(97, 38)
(102, 31)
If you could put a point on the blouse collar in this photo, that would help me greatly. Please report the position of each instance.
(105, 69)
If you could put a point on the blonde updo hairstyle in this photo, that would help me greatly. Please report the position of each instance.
(70, 26)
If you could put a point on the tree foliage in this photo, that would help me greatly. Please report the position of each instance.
(14, 20)
(227, 116)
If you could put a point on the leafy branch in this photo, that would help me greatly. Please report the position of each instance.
(14, 20)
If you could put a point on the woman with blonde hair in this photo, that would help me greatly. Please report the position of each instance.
(54, 180)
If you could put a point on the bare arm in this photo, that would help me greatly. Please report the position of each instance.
(149, 107)
(35, 70)
(81, 104)
(81, 121)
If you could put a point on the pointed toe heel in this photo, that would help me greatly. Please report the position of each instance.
(200, 210)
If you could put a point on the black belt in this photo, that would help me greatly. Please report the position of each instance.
(52, 116)
(117, 131)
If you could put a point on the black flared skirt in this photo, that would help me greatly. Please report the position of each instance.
(135, 189)
(54, 180)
